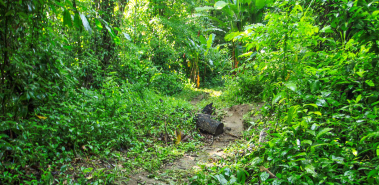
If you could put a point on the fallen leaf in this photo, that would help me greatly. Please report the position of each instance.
(41, 117)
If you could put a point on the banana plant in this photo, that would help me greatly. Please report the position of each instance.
(238, 14)
(196, 50)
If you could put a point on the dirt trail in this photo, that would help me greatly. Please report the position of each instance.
(233, 124)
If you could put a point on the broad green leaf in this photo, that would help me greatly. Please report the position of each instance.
(87, 170)
(291, 85)
(116, 39)
(264, 176)
(311, 170)
(98, 25)
(77, 22)
(256, 161)
(307, 142)
(377, 151)
(375, 13)
(300, 154)
(231, 36)
(358, 98)
(2, 2)
(312, 104)
(117, 29)
(373, 134)
(313, 148)
(323, 131)
(361, 72)
(110, 31)
(375, 103)
(210, 40)
(291, 114)
(372, 173)
(85, 23)
(370, 83)
(338, 159)
(220, 4)
(321, 102)
(67, 18)
(221, 179)
(203, 40)
(241, 176)
(278, 97)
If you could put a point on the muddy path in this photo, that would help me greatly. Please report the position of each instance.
(183, 167)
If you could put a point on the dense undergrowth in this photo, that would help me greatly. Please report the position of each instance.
(90, 90)
(319, 84)
(104, 123)
(86, 85)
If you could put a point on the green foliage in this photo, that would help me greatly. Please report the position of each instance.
(168, 84)
(84, 78)
(87, 121)
(318, 80)
(222, 176)
(87, 78)
(244, 88)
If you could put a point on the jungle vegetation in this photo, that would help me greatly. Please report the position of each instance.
(102, 80)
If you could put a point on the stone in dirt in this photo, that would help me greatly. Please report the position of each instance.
(205, 123)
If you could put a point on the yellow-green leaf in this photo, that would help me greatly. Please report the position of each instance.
(316, 112)
(354, 151)
(312, 104)
(370, 83)
(358, 98)
(375, 13)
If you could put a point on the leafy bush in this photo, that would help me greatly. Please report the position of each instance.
(321, 109)
(244, 88)
(168, 84)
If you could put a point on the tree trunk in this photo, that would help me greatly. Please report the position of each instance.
(205, 123)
